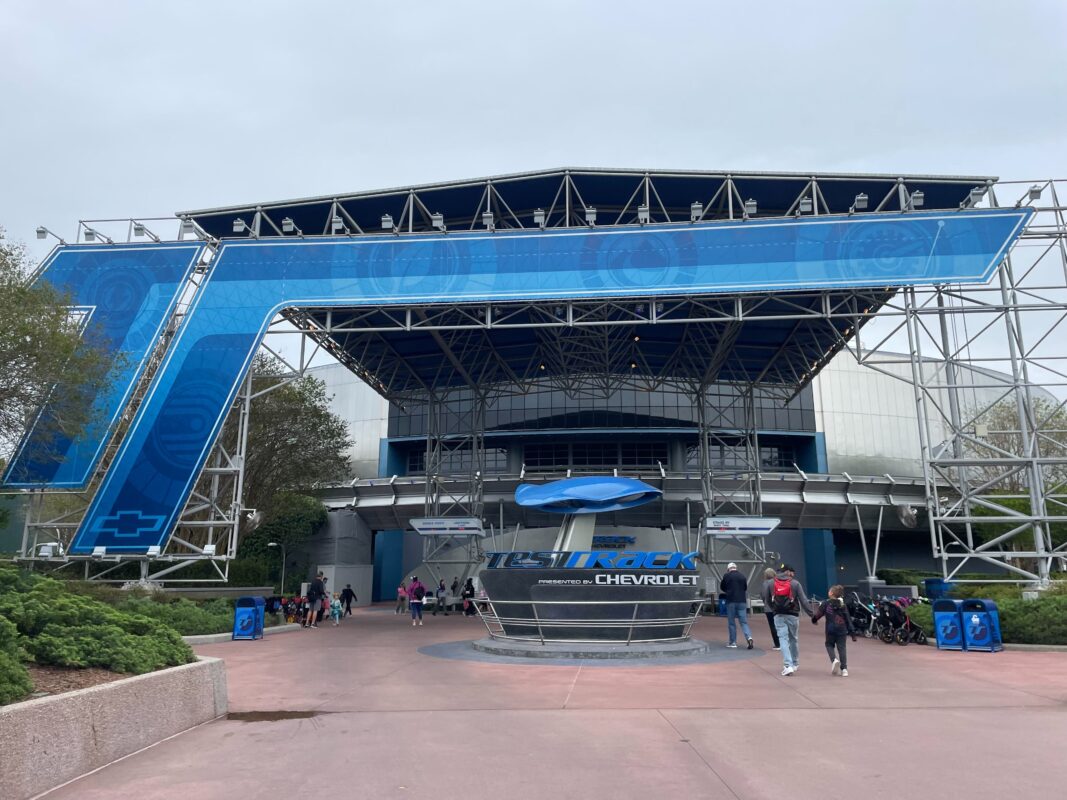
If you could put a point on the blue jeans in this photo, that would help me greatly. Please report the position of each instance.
(787, 627)
(737, 611)
(416, 609)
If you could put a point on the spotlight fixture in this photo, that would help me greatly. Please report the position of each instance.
(859, 203)
(633, 365)
(750, 207)
(44, 233)
(337, 225)
(91, 235)
(805, 205)
(438, 221)
(153, 550)
(696, 211)
(539, 217)
(387, 222)
(288, 226)
(642, 214)
(239, 225)
(590, 216)
(188, 228)
(637, 338)
(1034, 192)
(99, 551)
(975, 196)
(917, 199)
(209, 549)
(487, 220)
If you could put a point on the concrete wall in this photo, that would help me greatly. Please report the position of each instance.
(361, 577)
(52, 740)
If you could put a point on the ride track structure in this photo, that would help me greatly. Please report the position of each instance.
(758, 304)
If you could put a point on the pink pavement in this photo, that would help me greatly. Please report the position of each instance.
(390, 722)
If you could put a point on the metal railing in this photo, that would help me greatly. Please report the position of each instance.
(502, 627)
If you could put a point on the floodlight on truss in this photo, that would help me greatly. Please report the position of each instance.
(539, 217)
(1034, 192)
(805, 205)
(140, 229)
(859, 203)
(91, 235)
(337, 225)
(44, 233)
(750, 207)
(696, 211)
(387, 222)
(590, 216)
(438, 221)
(917, 199)
(487, 220)
(239, 225)
(643, 215)
(153, 551)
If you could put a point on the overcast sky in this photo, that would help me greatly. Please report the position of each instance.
(143, 109)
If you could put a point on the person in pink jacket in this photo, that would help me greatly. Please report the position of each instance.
(416, 593)
(401, 599)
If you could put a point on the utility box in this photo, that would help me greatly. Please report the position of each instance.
(248, 618)
(948, 625)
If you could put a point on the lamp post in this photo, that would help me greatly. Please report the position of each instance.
(282, 546)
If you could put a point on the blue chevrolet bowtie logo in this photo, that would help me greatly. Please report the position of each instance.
(129, 524)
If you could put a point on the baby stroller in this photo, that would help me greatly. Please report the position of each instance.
(894, 625)
(861, 615)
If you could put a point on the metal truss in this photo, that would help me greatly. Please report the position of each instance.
(571, 198)
(989, 375)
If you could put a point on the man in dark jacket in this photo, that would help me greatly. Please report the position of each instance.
(348, 597)
(735, 586)
(787, 598)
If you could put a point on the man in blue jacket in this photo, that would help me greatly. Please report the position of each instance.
(735, 586)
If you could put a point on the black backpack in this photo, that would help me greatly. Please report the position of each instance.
(419, 592)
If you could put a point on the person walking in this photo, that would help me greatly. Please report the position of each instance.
(440, 596)
(838, 626)
(401, 599)
(316, 594)
(765, 593)
(348, 597)
(735, 586)
(416, 594)
(468, 599)
(454, 593)
(787, 598)
(335, 609)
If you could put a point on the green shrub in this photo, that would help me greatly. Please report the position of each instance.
(15, 681)
(184, 616)
(55, 626)
(923, 616)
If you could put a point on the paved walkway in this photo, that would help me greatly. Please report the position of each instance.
(370, 716)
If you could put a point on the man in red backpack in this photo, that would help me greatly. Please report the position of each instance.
(784, 596)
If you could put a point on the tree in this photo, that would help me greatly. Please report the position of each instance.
(42, 345)
(295, 443)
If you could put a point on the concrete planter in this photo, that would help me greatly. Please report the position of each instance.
(52, 740)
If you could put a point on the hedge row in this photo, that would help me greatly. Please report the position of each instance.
(1041, 621)
(46, 623)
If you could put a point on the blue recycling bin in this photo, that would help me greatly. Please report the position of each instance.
(948, 625)
(248, 616)
(981, 625)
(937, 588)
(721, 607)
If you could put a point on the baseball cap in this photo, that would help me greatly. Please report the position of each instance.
(731, 565)
(785, 568)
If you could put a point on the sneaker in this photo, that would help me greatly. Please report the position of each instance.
(412, 623)
(835, 668)
(776, 647)
(787, 671)
(751, 644)
(844, 673)
(733, 645)
(420, 621)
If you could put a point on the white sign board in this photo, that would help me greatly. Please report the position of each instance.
(740, 526)
(448, 526)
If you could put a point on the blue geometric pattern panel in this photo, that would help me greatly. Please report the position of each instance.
(128, 292)
(172, 433)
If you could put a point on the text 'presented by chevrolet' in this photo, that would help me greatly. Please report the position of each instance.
(591, 559)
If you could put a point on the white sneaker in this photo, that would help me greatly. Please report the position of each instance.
(733, 645)
(420, 621)
(844, 673)
(776, 648)
(835, 668)
(787, 671)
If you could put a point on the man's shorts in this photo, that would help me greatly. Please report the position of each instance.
(314, 606)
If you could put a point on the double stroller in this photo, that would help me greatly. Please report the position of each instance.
(892, 624)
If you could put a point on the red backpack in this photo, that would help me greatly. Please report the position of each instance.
(783, 601)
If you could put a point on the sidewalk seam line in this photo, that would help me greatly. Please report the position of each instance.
(698, 754)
